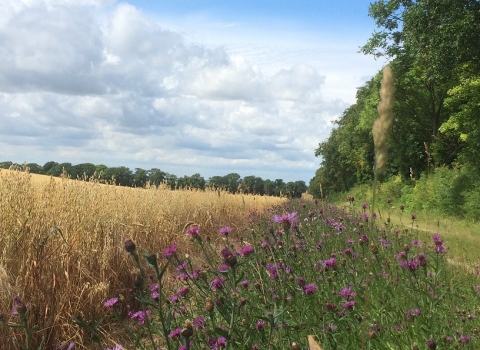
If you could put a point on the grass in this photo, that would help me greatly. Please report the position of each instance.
(103, 267)
(462, 235)
(61, 244)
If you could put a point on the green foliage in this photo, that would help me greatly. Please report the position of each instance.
(441, 192)
(85, 170)
(463, 102)
(48, 165)
(434, 48)
(471, 206)
(330, 276)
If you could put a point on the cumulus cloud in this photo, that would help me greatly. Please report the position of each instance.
(80, 81)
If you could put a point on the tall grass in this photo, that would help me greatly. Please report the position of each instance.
(61, 243)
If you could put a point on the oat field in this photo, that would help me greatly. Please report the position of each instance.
(61, 243)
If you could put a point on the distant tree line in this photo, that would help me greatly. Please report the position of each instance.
(433, 48)
(123, 176)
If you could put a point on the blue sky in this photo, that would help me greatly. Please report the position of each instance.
(209, 87)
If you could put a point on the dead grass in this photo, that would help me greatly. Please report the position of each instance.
(61, 243)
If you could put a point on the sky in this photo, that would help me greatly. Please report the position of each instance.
(187, 86)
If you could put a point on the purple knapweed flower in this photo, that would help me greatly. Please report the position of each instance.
(117, 347)
(19, 308)
(431, 344)
(229, 257)
(347, 293)
(170, 251)
(423, 259)
(244, 283)
(193, 231)
(439, 247)
(175, 334)
(301, 281)
(110, 302)
(66, 346)
(412, 313)
(199, 322)
(288, 220)
(415, 243)
(245, 251)
(183, 291)
(309, 289)
(260, 325)
(182, 266)
(182, 277)
(217, 283)
(222, 268)
(141, 316)
(216, 344)
(225, 230)
(464, 339)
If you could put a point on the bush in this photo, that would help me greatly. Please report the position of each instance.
(471, 207)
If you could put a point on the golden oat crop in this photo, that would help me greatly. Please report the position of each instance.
(61, 242)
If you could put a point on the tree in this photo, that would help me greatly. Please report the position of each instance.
(49, 165)
(34, 168)
(428, 40)
(140, 178)
(259, 186)
(58, 169)
(232, 181)
(197, 181)
(269, 187)
(123, 176)
(156, 176)
(6, 165)
(85, 170)
(101, 171)
(463, 102)
(438, 34)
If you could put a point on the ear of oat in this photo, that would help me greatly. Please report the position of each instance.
(313, 344)
(384, 122)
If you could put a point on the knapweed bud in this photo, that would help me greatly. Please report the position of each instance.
(187, 330)
(138, 281)
(295, 346)
(406, 247)
(152, 259)
(242, 301)
(209, 305)
(129, 246)
(402, 207)
(431, 344)
(66, 345)
(231, 260)
(19, 307)
(373, 248)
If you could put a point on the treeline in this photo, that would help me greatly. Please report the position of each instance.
(123, 176)
(433, 48)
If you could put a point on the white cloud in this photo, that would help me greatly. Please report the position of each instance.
(83, 82)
